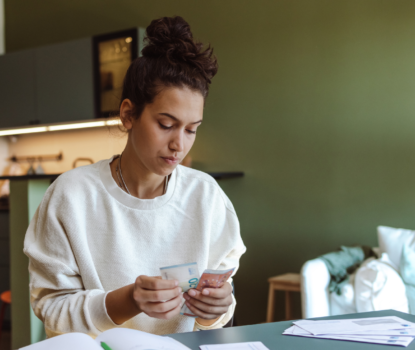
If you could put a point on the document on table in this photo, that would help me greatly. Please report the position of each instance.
(257, 345)
(377, 339)
(356, 324)
(388, 330)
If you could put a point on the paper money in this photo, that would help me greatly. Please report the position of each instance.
(209, 279)
(186, 274)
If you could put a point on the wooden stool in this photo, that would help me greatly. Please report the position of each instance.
(289, 282)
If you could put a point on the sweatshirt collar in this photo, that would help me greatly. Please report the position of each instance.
(130, 201)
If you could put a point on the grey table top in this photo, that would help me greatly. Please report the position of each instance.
(271, 335)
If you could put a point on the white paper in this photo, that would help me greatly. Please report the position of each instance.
(357, 324)
(257, 345)
(401, 333)
(299, 331)
(131, 339)
(69, 341)
(387, 340)
(410, 332)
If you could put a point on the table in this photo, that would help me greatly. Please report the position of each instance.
(289, 282)
(271, 335)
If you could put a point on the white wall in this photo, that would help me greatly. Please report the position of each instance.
(2, 29)
(4, 153)
(96, 143)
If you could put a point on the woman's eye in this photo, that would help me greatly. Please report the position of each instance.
(164, 126)
(191, 131)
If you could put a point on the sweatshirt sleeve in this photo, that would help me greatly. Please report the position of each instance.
(57, 293)
(227, 248)
(226, 245)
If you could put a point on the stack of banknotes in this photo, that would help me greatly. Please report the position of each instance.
(188, 277)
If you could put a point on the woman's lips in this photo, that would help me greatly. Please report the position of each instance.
(171, 160)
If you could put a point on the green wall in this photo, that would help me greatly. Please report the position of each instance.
(314, 100)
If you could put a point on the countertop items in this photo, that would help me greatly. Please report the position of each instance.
(216, 175)
(29, 177)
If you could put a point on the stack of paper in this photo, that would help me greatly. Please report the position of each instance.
(389, 330)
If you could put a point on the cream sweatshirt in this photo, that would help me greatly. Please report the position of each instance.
(89, 237)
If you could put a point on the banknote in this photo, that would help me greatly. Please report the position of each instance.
(209, 279)
(186, 274)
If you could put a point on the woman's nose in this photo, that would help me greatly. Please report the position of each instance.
(177, 143)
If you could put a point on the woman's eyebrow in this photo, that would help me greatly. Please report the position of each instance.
(175, 119)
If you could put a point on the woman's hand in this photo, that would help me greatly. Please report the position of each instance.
(154, 296)
(210, 303)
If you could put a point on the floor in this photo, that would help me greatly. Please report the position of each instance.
(5, 341)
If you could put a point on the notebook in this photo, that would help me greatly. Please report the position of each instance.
(116, 339)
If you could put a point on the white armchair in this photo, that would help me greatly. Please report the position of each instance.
(315, 279)
(317, 301)
(376, 285)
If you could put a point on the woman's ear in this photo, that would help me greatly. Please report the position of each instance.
(126, 113)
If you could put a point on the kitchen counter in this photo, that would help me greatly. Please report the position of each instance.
(30, 177)
(215, 175)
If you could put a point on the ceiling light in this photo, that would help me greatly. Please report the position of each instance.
(113, 122)
(56, 127)
(76, 126)
(22, 131)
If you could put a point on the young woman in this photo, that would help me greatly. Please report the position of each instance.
(102, 231)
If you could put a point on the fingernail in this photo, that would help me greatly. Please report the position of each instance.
(180, 289)
(205, 292)
(176, 283)
(192, 292)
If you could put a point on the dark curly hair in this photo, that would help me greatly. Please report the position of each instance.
(171, 58)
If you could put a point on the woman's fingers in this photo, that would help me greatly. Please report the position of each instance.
(155, 283)
(211, 302)
(162, 308)
(226, 301)
(208, 308)
(166, 315)
(203, 314)
(152, 289)
(160, 295)
(218, 293)
(157, 297)
(212, 296)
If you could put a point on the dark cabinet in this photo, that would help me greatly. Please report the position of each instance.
(17, 89)
(49, 84)
(64, 82)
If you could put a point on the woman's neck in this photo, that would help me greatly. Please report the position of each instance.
(139, 181)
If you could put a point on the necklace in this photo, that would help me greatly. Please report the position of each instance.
(121, 182)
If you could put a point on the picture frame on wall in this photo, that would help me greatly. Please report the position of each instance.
(112, 55)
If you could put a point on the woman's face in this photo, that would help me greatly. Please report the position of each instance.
(166, 130)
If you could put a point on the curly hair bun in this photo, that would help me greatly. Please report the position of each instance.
(170, 38)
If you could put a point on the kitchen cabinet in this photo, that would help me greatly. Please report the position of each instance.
(17, 89)
(49, 84)
(64, 82)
